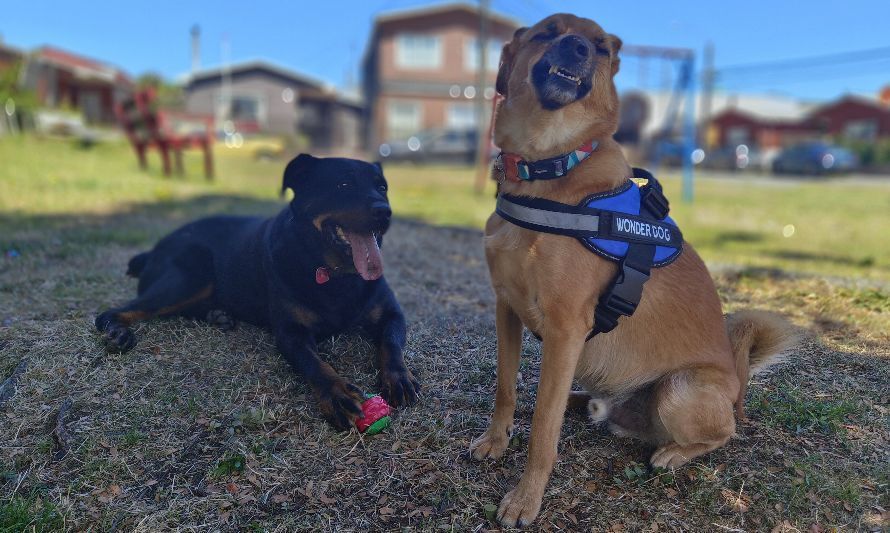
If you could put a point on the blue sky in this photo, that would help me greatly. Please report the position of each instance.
(327, 39)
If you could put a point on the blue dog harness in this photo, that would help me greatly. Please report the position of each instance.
(628, 225)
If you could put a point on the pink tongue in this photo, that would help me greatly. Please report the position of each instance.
(366, 255)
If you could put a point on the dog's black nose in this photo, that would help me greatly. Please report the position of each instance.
(380, 210)
(574, 47)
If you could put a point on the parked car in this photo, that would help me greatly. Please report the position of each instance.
(814, 158)
(448, 146)
(733, 158)
(670, 152)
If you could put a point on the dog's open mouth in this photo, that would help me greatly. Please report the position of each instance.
(565, 74)
(559, 85)
(362, 246)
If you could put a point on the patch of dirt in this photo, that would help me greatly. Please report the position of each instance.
(198, 429)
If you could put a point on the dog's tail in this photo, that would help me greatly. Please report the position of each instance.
(758, 339)
(137, 264)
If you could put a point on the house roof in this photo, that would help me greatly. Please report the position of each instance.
(439, 9)
(10, 50)
(80, 66)
(759, 107)
(856, 99)
(406, 15)
(258, 64)
(321, 88)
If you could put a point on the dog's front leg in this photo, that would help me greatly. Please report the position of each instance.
(397, 384)
(339, 401)
(496, 438)
(561, 350)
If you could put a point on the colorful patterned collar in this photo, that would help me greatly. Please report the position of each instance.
(514, 168)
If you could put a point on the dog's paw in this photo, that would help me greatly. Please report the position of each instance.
(119, 338)
(221, 319)
(492, 444)
(341, 404)
(520, 506)
(399, 388)
(669, 456)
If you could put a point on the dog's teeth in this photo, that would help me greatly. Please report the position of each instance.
(554, 70)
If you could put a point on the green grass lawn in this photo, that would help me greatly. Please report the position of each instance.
(838, 229)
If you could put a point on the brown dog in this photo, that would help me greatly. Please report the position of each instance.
(669, 374)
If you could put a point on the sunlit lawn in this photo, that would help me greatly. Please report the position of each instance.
(829, 228)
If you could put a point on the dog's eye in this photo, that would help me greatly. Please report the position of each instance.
(382, 187)
(602, 47)
(344, 185)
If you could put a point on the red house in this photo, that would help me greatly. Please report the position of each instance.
(63, 79)
(852, 117)
(734, 127)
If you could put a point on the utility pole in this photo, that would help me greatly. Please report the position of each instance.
(196, 48)
(687, 72)
(224, 110)
(708, 77)
(483, 141)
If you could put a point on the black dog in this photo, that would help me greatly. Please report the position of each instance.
(310, 272)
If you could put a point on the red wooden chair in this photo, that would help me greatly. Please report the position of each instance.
(169, 131)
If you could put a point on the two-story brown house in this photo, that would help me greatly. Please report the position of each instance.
(420, 70)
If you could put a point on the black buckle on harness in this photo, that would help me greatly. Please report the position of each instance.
(626, 290)
(652, 197)
(621, 299)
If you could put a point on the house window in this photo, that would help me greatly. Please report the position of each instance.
(736, 135)
(246, 108)
(492, 58)
(403, 119)
(861, 130)
(418, 51)
(461, 116)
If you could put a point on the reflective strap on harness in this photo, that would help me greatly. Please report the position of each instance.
(547, 218)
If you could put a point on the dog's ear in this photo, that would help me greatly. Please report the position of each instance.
(379, 167)
(506, 63)
(614, 43)
(295, 170)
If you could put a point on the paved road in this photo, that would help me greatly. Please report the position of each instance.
(706, 174)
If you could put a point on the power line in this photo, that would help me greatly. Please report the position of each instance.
(810, 74)
(852, 57)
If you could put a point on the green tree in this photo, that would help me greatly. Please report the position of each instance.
(169, 94)
(11, 94)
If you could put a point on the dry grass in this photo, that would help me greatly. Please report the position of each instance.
(197, 429)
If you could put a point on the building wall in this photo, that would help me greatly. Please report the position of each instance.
(277, 116)
(842, 117)
(288, 107)
(428, 88)
(454, 31)
(848, 118)
(434, 111)
(347, 135)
